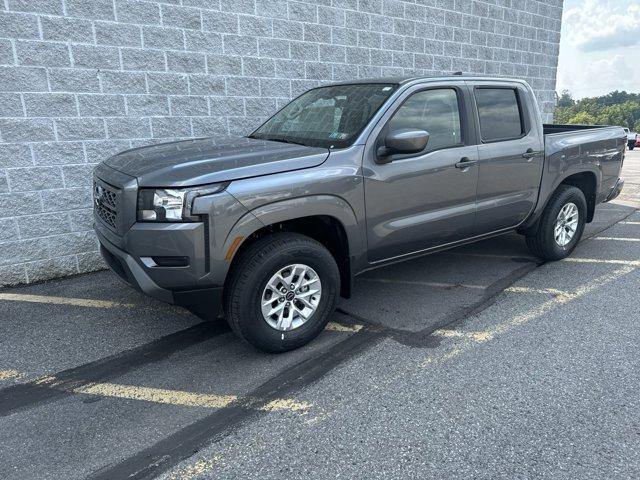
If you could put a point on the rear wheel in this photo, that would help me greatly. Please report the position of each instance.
(281, 292)
(561, 224)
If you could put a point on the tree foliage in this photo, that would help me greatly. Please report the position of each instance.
(615, 108)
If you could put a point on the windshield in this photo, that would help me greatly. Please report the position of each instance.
(329, 117)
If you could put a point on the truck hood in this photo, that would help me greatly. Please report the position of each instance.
(209, 160)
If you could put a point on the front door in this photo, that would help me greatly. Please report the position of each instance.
(427, 199)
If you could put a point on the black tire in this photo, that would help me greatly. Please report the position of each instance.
(542, 243)
(631, 147)
(252, 272)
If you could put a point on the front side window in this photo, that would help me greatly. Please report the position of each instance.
(329, 117)
(435, 111)
(499, 114)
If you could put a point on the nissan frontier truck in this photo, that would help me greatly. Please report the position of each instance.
(272, 228)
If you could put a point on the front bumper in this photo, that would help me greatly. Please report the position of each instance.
(616, 190)
(126, 267)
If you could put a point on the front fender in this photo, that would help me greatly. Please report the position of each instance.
(291, 209)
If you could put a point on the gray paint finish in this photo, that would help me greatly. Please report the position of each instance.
(402, 207)
(82, 80)
(207, 160)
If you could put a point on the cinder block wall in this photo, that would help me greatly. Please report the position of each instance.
(82, 79)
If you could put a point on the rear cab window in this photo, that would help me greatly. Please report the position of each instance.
(499, 113)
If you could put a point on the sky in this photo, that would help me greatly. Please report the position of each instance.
(599, 47)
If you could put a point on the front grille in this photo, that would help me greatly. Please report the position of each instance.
(105, 204)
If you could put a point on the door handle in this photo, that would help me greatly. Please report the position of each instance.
(465, 162)
(530, 153)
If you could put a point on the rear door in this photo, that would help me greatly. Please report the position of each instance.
(426, 199)
(510, 153)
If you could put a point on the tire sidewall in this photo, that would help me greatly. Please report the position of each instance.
(576, 197)
(255, 328)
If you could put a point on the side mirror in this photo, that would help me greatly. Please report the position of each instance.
(404, 140)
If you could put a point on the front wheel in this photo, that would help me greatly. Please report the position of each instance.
(281, 292)
(561, 224)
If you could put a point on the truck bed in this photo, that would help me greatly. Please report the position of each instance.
(550, 128)
(595, 148)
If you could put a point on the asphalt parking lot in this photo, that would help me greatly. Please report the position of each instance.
(480, 362)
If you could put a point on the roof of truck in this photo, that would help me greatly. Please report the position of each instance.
(426, 78)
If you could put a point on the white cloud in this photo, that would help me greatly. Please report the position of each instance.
(598, 76)
(598, 49)
(598, 25)
(611, 71)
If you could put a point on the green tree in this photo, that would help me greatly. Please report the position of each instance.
(615, 108)
(566, 100)
(582, 118)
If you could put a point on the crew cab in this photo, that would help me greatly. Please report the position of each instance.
(272, 228)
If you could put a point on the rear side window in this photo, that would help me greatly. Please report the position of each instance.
(435, 111)
(499, 114)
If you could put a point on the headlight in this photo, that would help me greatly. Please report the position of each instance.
(171, 204)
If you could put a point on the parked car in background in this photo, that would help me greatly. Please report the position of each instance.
(346, 178)
(632, 138)
(637, 141)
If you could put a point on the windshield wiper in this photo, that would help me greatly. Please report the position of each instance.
(276, 139)
(285, 140)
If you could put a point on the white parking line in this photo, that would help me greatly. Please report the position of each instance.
(629, 223)
(613, 209)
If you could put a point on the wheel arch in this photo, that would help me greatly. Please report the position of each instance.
(586, 180)
(328, 219)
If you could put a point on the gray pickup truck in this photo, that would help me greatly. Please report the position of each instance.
(348, 177)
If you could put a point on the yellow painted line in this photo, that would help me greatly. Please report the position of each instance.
(286, 404)
(81, 302)
(561, 300)
(181, 397)
(336, 327)
(618, 239)
(6, 374)
(197, 469)
(476, 336)
(157, 395)
(425, 284)
(86, 302)
(536, 312)
(630, 263)
(550, 291)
